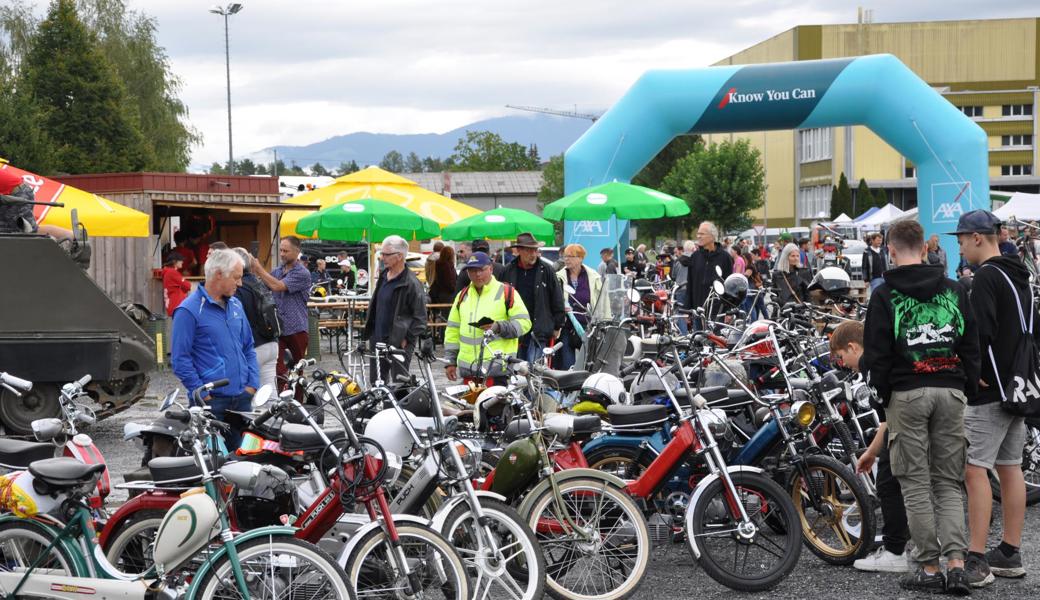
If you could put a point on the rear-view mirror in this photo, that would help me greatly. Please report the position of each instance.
(262, 396)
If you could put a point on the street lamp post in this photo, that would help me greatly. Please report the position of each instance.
(227, 12)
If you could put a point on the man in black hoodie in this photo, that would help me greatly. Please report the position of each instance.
(1000, 294)
(701, 265)
(922, 355)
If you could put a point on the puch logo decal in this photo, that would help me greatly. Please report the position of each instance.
(72, 589)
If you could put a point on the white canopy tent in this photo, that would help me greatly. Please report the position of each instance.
(1021, 206)
(886, 214)
(843, 218)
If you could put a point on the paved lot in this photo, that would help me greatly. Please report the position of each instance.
(673, 573)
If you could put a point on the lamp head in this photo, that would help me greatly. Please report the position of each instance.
(234, 8)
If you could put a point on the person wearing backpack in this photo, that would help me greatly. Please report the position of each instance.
(921, 354)
(994, 421)
(262, 314)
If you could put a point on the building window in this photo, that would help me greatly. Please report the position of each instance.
(1016, 110)
(814, 200)
(909, 171)
(1024, 139)
(1015, 170)
(816, 144)
(972, 111)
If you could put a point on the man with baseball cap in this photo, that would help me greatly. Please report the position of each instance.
(536, 282)
(484, 305)
(477, 246)
(1000, 299)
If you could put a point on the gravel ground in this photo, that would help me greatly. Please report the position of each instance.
(673, 572)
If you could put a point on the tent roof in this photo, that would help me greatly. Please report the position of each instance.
(1021, 206)
(843, 218)
(885, 214)
(867, 213)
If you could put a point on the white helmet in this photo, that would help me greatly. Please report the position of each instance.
(603, 388)
(387, 429)
(486, 410)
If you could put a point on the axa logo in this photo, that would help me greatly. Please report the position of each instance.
(733, 96)
(948, 211)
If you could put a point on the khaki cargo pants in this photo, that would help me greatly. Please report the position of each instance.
(928, 453)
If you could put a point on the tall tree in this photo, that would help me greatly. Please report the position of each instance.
(487, 151)
(261, 169)
(245, 167)
(880, 198)
(864, 197)
(319, 170)
(723, 183)
(347, 168)
(413, 164)
(841, 198)
(532, 153)
(393, 162)
(23, 140)
(653, 174)
(84, 104)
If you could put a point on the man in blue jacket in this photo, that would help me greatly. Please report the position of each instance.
(212, 340)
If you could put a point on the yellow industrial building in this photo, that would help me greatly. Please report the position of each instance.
(990, 69)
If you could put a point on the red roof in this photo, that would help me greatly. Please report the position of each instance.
(102, 183)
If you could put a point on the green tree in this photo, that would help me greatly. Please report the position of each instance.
(127, 38)
(393, 162)
(347, 168)
(245, 167)
(319, 170)
(278, 168)
(23, 140)
(487, 151)
(841, 198)
(413, 164)
(552, 188)
(295, 169)
(84, 104)
(880, 198)
(532, 153)
(261, 169)
(653, 174)
(864, 198)
(217, 169)
(723, 183)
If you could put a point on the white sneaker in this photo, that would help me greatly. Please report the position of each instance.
(882, 561)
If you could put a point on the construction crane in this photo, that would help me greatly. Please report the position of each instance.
(560, 113)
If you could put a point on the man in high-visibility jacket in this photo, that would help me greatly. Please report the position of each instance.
(505, 316)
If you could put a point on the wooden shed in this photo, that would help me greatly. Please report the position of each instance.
(243, 211)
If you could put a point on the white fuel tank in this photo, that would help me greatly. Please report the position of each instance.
(188, 526)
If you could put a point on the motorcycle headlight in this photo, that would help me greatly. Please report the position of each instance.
(716, 421)
(803, 413)
(862, 396)
(471, 454)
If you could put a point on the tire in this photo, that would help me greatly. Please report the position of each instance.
(710, 525)
(371, 574)
(18, 413)
(311, 568)
(524, 571)
(23, 542)
(129, 546)
(622, 461)
(1030, 468)
(844, 532)
(627, 539)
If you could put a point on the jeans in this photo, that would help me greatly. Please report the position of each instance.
(929, 453)
(564, 359)
(219, 405)
(894, 531)
(530, 348)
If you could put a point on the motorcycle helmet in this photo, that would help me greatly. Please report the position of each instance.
(20, 495)
(386, 428)
(272, 496)
(735, 289)
(603, 389)
(832, 280)
(493, 410)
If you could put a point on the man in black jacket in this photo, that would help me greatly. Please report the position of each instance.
(1000, 298)
(921, 352)
(874, 261)
(397, 311)
(540, 290)
(701, 265)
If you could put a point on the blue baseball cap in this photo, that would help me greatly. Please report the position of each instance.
(478, 260)
(978, 221)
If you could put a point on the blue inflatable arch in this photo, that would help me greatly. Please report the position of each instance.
(877, 91)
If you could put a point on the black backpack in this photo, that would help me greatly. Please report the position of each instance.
(263, 301)
(1020, 393)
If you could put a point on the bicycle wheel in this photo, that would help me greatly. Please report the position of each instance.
(606, 557)
(759, 559)
(436, 569)
(22, 543)
(278, 567)
(520, 574)
(129, 548)
(842, 529)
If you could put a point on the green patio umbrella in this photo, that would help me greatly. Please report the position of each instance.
(499, 224)
(621, 200)
(369, 220)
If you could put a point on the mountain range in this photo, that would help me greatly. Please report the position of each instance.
(552, 135)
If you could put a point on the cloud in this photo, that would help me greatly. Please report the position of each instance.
(306, 70)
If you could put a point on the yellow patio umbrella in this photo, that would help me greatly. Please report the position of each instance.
(374, 182)
(101, 217)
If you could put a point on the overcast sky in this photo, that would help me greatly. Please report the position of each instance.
(306, 70)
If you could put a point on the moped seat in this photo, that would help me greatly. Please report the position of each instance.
(565, 381)
(586, 424)
(711, 394)
(641, 415)
(19, 454)
(65, 472)
(303, 437)
(174, 469)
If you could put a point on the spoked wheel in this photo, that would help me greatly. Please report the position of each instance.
(435, 568)
(129, 547)
(749, 557)
(841, 529)
(1030, 466)
(623, 462)
(517, 572)
(18, 412)
(277, 568)
(24, 544)
(606, 556)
